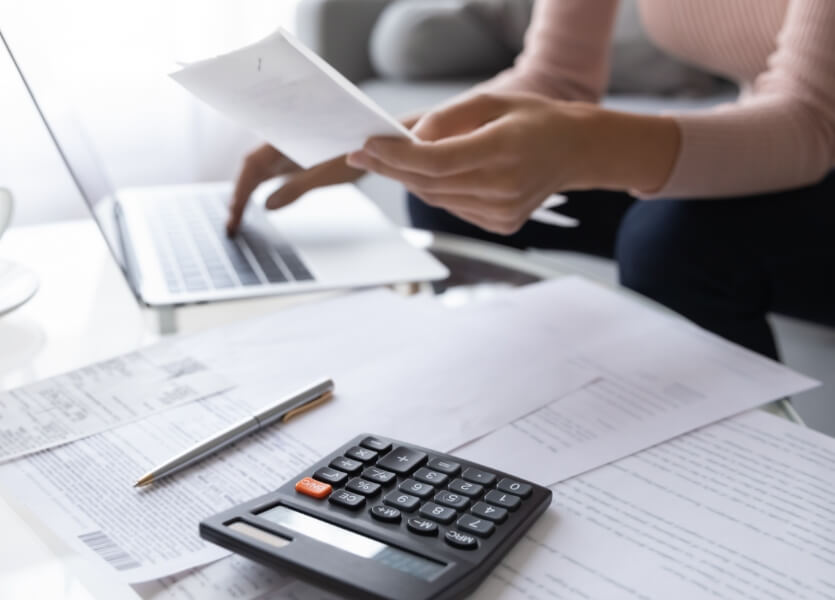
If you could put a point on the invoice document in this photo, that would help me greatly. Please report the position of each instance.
(285, 93)
(101, 396)
(740, 510)
(658, 376)
(410, 367)
(84, 490)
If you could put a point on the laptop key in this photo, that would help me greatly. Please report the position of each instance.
(264, 259)
(195, 285)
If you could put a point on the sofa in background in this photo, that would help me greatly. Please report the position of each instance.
(372, 43)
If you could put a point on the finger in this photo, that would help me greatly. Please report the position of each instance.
(329, 173)
(264, 163)
(487, 223)
(472, 182)
(474, 210)
(471, 217)
(461, 116)
(410, 121)
(469, 152)
(453, 202)
(463, 209)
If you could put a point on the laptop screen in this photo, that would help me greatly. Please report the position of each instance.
(66, 132)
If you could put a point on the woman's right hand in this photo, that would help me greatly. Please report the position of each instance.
(265, 163)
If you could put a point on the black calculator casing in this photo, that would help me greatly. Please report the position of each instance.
(356, 577)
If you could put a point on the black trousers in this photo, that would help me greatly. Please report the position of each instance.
(722, 263)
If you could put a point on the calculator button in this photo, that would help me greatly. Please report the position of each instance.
(361, 486)
(349, 465)
(462, 541)
(402, 460)
(401, 500)
(430, 476)
(515, 487)
(446, 498)
(421, 490)
(496, 514)
(444, 466)
(422, 526)
(436, 512)
(386, 514)
(331, 476)
(478, 476)
(347, 499)
(378, 446)
(314, 489)
(497, 498)
(459, 486)
(361, 454)
(480, 527)
(379, 475)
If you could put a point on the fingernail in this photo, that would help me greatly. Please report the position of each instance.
(372, 147)
(357, 159)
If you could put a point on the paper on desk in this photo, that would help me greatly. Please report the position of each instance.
(406, 369)
(292, 98)
(659, 377)
(101, 396)
(85, 488)
(741, 510)
(84, 492)
(401, 369)
(233, 577)
(714, 513)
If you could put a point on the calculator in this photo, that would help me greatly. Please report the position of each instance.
(379, 518)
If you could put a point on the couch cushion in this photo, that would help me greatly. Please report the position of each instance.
(431, 39)
(407, 97)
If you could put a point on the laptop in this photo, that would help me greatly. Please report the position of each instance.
(171, 244)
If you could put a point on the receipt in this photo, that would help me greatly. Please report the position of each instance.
(284, 92)
(101, 396)
(85, 492)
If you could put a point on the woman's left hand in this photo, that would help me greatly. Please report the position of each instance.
(489, 159)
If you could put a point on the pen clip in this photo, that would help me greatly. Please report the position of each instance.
(306, 407)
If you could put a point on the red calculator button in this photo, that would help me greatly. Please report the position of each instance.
(314, 489)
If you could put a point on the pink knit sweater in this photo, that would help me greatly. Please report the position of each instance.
(780, 134)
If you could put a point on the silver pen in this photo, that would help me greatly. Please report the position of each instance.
(284, 411)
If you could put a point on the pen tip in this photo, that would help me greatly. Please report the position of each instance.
(143, 481)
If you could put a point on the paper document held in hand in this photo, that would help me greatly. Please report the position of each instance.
(283, 91)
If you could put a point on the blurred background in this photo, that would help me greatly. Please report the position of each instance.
(115, 66)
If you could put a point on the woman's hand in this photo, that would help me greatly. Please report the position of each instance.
(493, 159)
(266, 162)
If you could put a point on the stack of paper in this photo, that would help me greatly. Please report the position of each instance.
(565, 376)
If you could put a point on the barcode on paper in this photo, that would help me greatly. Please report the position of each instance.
(102, 545)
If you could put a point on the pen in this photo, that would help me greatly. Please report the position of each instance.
(284, 410)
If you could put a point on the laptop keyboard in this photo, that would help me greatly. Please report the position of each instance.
(196, 255)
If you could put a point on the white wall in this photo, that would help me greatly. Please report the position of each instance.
(114, 57)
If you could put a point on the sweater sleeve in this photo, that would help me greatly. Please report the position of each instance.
(779, 136)
(566, 53)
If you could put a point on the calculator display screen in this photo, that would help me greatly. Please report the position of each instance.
(354, 543)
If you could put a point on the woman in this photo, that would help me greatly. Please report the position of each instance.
(736, 205)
